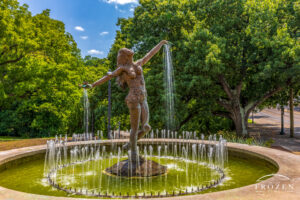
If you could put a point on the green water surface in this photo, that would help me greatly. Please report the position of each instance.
(28, 176)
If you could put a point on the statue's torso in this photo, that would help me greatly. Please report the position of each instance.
(135, 80)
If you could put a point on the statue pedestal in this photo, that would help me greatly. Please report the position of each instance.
(141, 168)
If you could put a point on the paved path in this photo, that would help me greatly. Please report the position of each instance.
(268, 124)
(273, 117)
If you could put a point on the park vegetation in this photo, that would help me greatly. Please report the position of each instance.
(229, 57)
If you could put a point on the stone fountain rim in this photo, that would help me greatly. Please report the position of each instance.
(287, 164)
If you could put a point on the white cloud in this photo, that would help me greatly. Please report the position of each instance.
(95, 52)
(132, 7)
(121, 2)
(84, 37)
(103, 33)
(118, 9)
(78, 28)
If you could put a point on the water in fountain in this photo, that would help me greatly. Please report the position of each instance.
(192, 164)
(169, 88)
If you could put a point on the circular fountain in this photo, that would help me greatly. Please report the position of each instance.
(194, 167)
(162, 169)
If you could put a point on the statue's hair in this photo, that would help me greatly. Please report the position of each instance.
(121, 81)
(124, 57)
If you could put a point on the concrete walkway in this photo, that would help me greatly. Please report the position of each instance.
(267, 124)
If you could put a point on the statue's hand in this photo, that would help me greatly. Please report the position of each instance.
(86, 85)
(89, 86)
(164, 42)
(109, 73)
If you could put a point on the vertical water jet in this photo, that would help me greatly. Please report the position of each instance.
(169, 88)
(86, 105)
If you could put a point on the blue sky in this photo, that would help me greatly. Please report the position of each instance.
(91, 22)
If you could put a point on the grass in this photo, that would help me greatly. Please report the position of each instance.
(250, 121)
(9, 138)
(232, 137)
(8, 143)
(13, 143)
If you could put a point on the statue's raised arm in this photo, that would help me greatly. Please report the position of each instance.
(109, 76)
(104, 79)
(151, 53)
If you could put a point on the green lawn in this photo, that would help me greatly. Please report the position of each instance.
(250, 121)
(10, 138)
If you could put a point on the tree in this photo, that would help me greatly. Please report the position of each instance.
(248, 52)
(229, 56)
(40, 71)
(17, 37)
(291, 104)
(152, 22)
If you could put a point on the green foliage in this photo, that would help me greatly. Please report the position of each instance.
(40, 69)
(251, 44)
(152, 22)
(269, 142)
(7, 138)
(244, 40)
(232, 137)
(282, 98)
(246, 51)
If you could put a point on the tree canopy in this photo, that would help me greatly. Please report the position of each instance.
(229, 56)
(40, 67)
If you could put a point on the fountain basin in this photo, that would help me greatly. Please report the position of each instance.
(277, 158)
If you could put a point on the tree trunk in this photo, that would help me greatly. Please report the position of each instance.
(291, 113)
(232, 104)
(92, 113)
(282, 120)
(241, 121)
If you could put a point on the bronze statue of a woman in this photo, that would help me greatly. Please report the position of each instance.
(130, 73)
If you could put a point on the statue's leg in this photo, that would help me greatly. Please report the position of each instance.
(144, 120)
(135, 112)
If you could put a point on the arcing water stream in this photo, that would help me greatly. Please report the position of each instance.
(169, 88)
(86, 105)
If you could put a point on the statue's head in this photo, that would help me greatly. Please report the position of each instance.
(124, 56)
